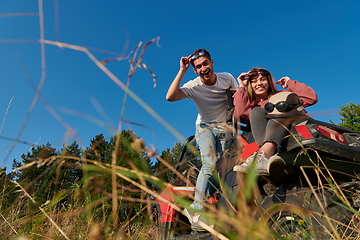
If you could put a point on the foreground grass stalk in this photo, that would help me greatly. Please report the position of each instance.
(7, 222)
(115, 202)
(319, 201)
(42, 210)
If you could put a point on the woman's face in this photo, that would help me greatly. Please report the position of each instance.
(260, 85)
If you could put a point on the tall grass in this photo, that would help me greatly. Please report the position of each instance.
(91, 213)
(88, 211)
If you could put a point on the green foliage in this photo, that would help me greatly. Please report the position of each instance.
(7, 189)
(35, 175)
(71, 165)
(99, 184)
(101, 150)
(77, 182)
(171, 157)
(350, 117)
(189, 165)
(75, 188)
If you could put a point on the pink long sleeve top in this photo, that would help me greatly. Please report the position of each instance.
(243, 105)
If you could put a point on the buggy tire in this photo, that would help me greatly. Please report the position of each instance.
(297, 214)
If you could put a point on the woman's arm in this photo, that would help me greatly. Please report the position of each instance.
(242, 106)
(306, 93)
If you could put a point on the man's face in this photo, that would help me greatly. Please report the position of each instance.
(204, 68)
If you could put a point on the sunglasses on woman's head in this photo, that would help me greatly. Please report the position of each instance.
(255, 74)
(282, 106)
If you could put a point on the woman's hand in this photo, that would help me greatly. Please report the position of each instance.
(242, 79)
(283, 82)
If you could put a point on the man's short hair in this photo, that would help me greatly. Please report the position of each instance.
(199, 53)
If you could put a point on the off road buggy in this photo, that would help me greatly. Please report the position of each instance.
(323, 188)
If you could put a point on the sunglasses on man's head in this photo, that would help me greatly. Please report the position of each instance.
(282, 106)
(255, 74)
(196, 55)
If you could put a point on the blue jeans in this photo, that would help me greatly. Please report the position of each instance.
(211, 141)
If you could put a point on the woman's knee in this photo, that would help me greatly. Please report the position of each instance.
(257, 112)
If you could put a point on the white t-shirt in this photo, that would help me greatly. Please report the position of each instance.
(211, 101)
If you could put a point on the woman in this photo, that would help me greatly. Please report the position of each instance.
(256, 87)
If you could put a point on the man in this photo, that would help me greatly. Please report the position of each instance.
(208, 90)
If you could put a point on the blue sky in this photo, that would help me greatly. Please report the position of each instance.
(315, 42)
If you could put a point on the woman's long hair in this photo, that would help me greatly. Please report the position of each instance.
(272, 87)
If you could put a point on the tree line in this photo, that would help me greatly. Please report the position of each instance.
(75, 176)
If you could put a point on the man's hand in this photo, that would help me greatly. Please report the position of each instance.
(185, 63)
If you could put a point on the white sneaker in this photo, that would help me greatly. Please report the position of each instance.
(276, 168)
(197, 221)
(261, 164)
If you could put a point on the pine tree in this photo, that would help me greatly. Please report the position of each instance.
(99, 180)
(37, 173)
(188, 165)
(7, 189)
(44, 172)
(350, 117)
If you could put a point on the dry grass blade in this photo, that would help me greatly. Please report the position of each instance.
(42, 210)
(8, 223)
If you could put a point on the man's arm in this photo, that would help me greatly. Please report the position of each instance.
(174, 92)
